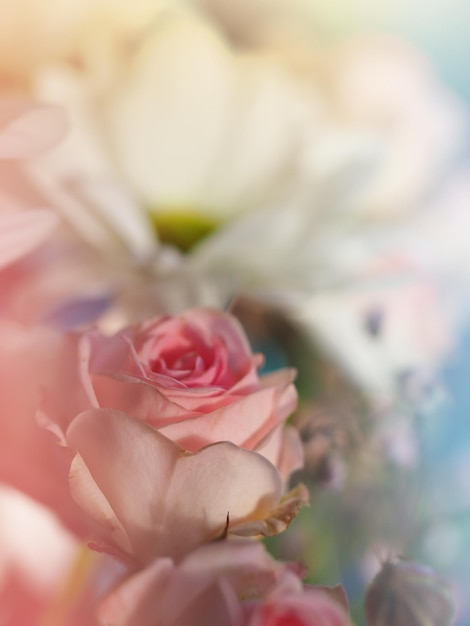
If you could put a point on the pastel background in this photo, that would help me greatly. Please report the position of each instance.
(442, 31)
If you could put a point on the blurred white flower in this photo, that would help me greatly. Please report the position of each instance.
(285, 168)
(36, 33)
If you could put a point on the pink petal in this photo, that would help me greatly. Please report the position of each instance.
(93, 502)
(139, 398)
(310, 608)
(22, 231)
(168, 501)
(134, 601)
(284, 449)
(245, 422)
(161, 594)
(203, 589)
(30, 458)
(27, 129)
(216, 604)
(278, 520)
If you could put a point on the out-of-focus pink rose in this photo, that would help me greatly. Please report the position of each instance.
(230, 583)
(36, 554)
(312, 608)
(178, 441)
(30, 459)
(46, 576)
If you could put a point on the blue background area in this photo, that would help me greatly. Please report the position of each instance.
(447, 464)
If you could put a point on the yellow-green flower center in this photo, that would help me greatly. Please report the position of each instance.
(182, 228)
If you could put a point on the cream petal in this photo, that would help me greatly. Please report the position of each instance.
(169, 501)
(228, 556)
(92, 500)
(169, 118)
(279, 519)
(269, 123)
(117, 208)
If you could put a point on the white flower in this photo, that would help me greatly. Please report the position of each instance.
(293, 167)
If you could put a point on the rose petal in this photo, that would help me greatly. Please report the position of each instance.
(280, 517)
(162, 594)
(131, 601)
(284, 449)
(139, 398)
(245, 422)
(93, 502)
(168, 501)
(310, 608)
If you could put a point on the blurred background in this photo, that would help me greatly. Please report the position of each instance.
(423, 510)
(439, 28)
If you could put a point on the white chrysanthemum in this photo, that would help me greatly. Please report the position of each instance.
(290, 164)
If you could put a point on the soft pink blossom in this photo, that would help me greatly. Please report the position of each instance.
(230, 583)
(177, 439)
(30, 459)
(194, 378)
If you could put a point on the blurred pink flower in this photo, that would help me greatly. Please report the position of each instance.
(232, 583)
(36, 554)
(30, 460)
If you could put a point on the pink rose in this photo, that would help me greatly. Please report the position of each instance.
(177, 440)
(195, 379)
(230, 583)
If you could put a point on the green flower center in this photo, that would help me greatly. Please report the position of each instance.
(183, 229)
